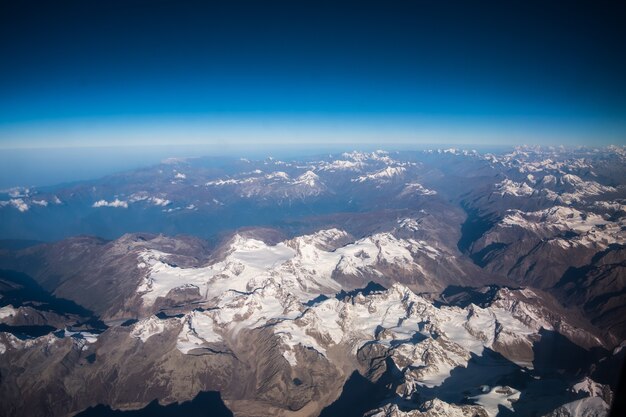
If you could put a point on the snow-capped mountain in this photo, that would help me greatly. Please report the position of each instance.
(282, 297)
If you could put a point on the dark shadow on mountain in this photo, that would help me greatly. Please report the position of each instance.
(370, 288)
(205, 404)
(491, 368)
(474, 227)
(604, 370)
(577, 275)
(415, 339)
(456, 295)
(555, 353)
(18, 289)
(558, 364)
(598, 288)
(164, 316)
(316, 300)
(359, 394)
(618, 408)
(541, 392)
(488, 253)
(541, 397)
(26, 332)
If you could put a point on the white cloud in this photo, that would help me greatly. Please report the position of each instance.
(114, 203)
(141, 196)
(159, 201)
(19, 204)
(180, 176)
(17, 192)
(42, 203)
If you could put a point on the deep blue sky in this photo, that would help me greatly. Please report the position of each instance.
(158, 72)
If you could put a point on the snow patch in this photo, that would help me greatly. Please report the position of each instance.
(7, 311)
(147, 328)
(198, 329)
(498, 396)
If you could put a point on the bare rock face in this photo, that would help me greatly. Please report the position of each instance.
(178, 296)
(101, 276)
(576, 254)
(273, 383)
(598, 288)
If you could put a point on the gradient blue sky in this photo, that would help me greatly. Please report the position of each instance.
(135, 72)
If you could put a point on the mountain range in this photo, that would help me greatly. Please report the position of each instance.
(445, 282)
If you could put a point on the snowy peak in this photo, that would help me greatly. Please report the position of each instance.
(307, 264)
(278, 185)
(341, 165)
(379, 155)
(384, 175)
(415, 188)
(516, 189)
(326, 240)
(425, 342)
(308, 178)
(590, 229)
(278, 176)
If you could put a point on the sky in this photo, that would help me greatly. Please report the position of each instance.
(240, 74)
